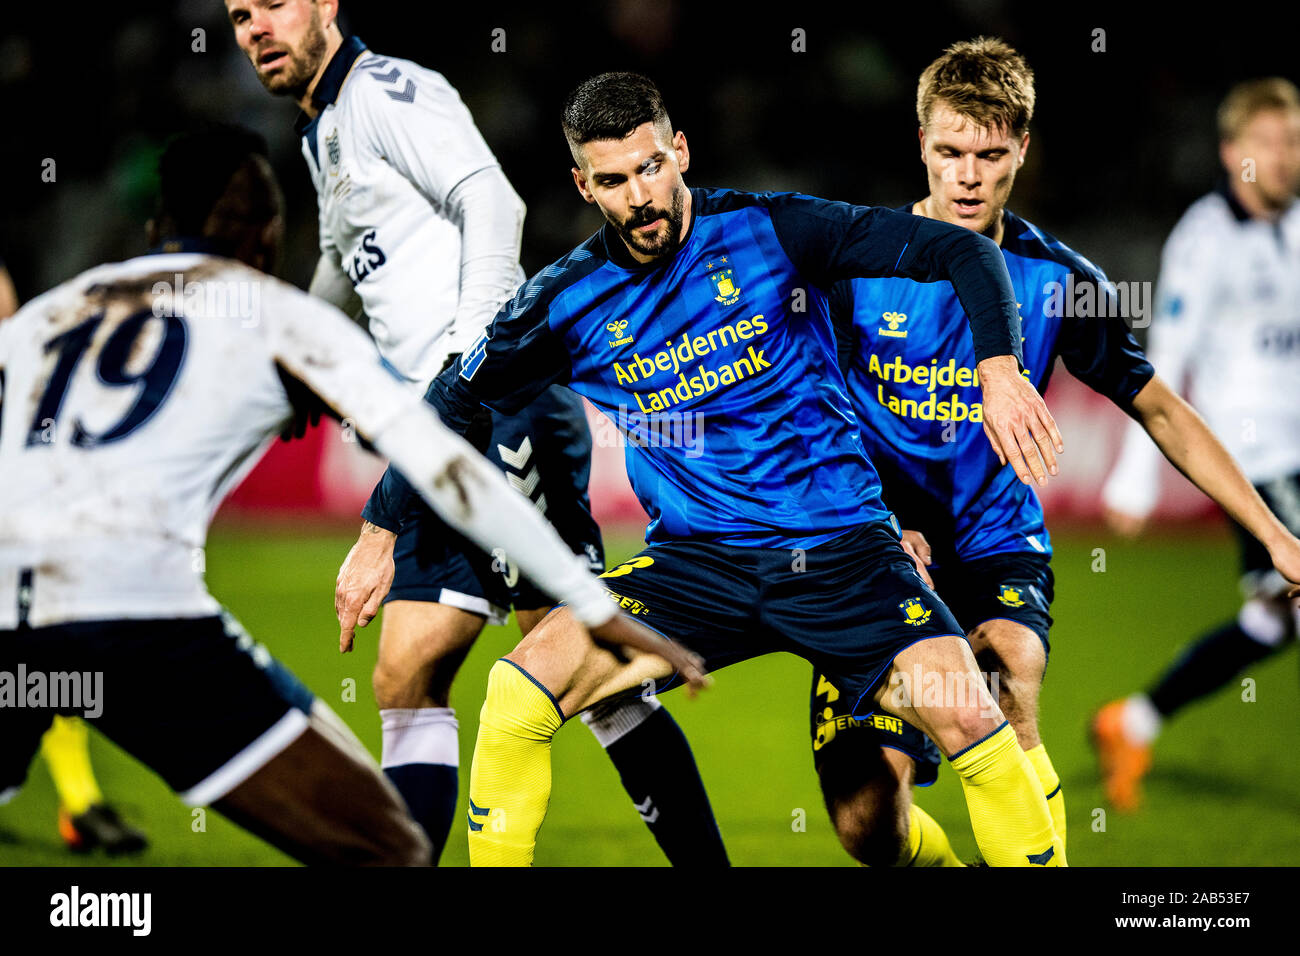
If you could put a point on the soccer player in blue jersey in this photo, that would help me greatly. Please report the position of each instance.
(913, 383)
(420, 228)
(711, 303)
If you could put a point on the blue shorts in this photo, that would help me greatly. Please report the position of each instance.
(848, 606)
(194, 699)
(1014, 586)
(545, 452)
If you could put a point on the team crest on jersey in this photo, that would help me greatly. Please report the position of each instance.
(616, 330)
(726, 292)
(914, 612)
(333, 150)
(1011, 597)
(893, 320)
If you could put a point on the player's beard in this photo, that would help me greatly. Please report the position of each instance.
(294, 78)
(663, 242)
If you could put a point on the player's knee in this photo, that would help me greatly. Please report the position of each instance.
(422, 685)
(393, 688)
(1267, 621)
(870, 831)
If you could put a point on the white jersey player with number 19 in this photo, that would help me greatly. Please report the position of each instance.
(420, 228)
(133, 398)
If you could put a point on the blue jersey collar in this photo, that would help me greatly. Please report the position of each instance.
(331, 81)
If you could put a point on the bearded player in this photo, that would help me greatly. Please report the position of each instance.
(419, 226)
(707, 281)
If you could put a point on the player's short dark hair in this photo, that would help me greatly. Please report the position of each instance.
(195, 174)
(610, 106)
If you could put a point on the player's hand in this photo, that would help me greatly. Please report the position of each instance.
(1124, 524)
(623, 631)
(1017, 422)
(918, 549)
(363, 582)
(1286, 558)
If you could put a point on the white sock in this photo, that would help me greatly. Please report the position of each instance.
(611, 720)
(420, 735)
(1141, 720)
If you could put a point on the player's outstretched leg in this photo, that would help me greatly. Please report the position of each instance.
(86, 821)
(421, 647)
(1008, 809)
(322, 800)
(1017, 656)
(1124, 731)
(555, 671)
(655, 763)
(657, 768)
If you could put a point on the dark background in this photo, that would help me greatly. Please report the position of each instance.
(1122, 140)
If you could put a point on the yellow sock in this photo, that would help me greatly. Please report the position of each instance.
(927, 844)
(66, 748)
(1051, 787)
(510, 778)
(1008, 810)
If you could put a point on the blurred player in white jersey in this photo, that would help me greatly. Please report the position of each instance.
(421, 229)
(134, 397)
(85, 819)
(1227, 322)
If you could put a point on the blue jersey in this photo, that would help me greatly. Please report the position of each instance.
(719, 362)
(913, 381)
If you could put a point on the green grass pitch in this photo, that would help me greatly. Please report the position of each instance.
(1223, 791)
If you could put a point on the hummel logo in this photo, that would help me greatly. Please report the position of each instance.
(517, 458)
(649, 812)
(1040, 859)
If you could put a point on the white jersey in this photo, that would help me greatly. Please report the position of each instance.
(135, 396)
(1227, 333)
(389, 147)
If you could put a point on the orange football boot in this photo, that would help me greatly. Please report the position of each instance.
(1123, 763)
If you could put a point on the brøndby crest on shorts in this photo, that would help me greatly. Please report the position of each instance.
(914, 612)
(1010, 596)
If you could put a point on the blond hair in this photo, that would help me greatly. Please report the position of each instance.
(983, 80)
(1254, 96)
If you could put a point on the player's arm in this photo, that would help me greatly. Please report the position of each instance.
(1184, 438)
(511, 363)
(430, 140)
(8, 294)
(330, 283)
(341, 365)
(829, 241)
(1185, 301)
(490, 215)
